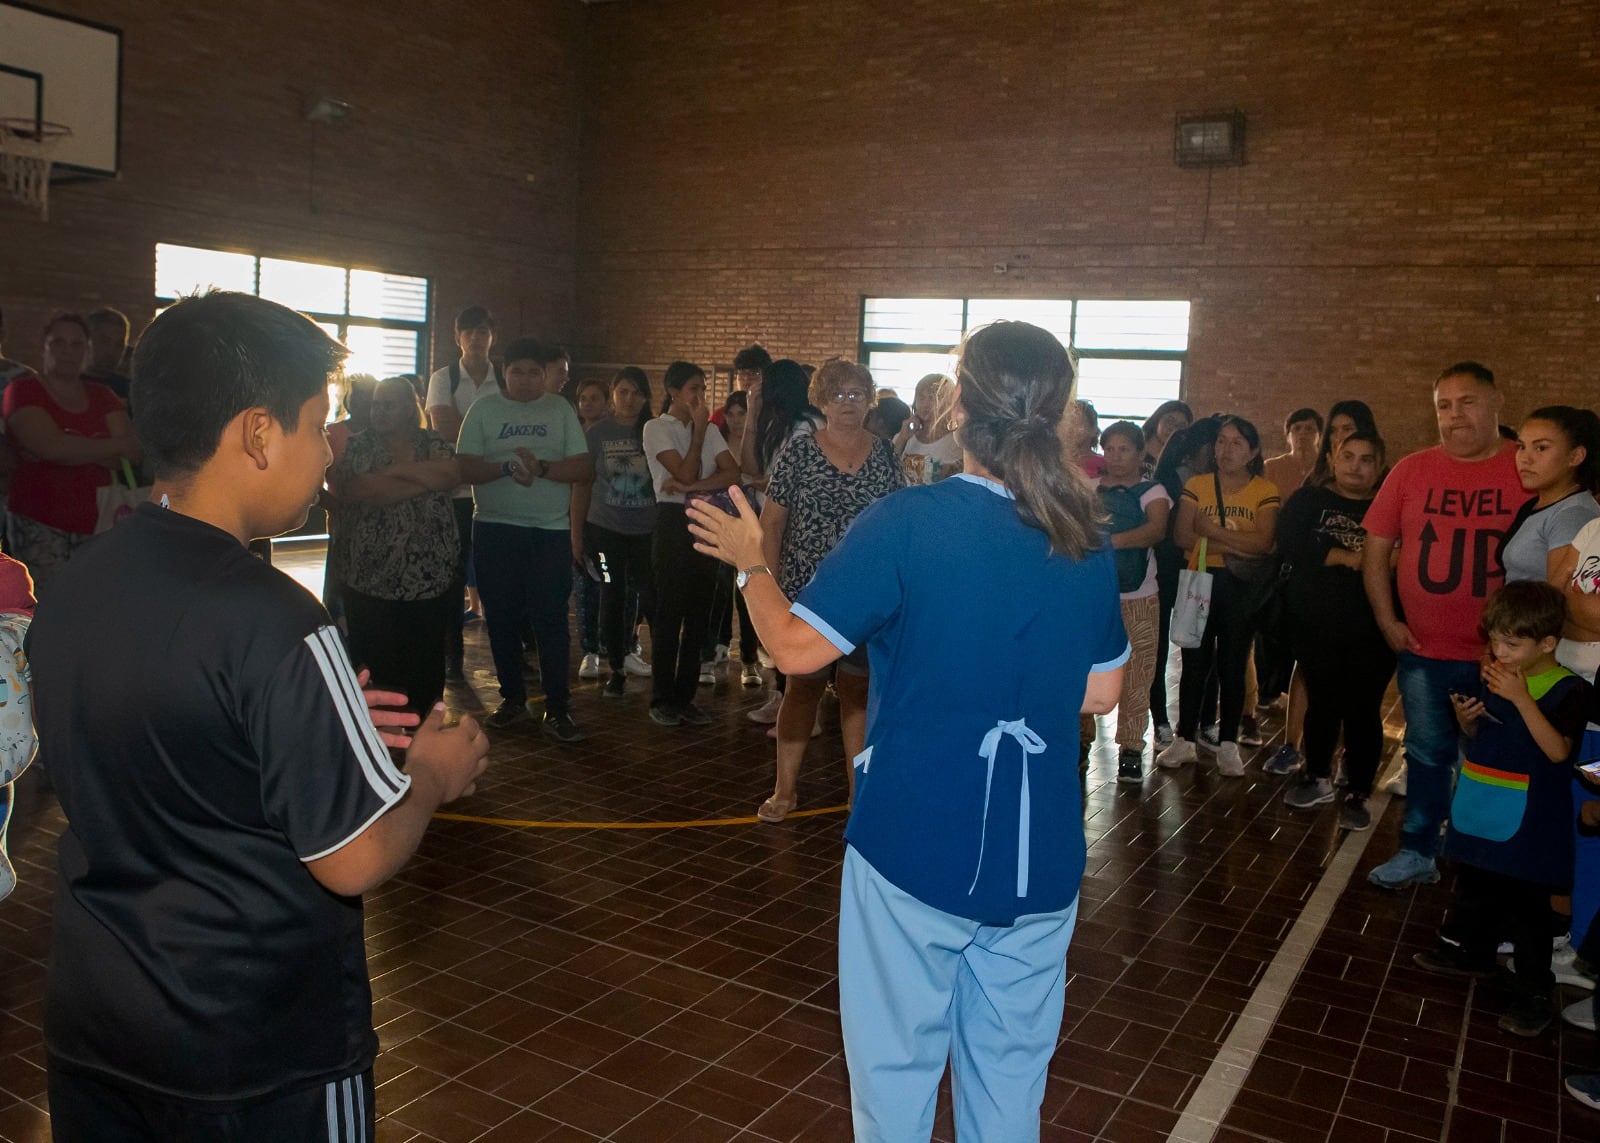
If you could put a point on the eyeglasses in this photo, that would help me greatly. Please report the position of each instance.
(853, 396)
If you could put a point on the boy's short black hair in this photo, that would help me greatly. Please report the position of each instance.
(210, 357)
(1525, 609)
(550, 352)
(526, 349)
(1299, 415)
(751, 357)
(474, 317)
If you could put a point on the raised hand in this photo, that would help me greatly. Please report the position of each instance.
(735, 540)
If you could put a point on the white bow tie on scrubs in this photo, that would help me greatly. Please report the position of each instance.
(1031, 743)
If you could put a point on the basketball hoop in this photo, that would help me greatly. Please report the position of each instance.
(26, 147)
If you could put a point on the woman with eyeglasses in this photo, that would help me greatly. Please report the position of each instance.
(966, 847)
(820, 483)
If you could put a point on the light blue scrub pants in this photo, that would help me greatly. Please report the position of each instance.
(918, 986)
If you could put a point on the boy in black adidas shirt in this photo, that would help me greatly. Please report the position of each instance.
(228, 797)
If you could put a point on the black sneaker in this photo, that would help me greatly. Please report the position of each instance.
(616, 686)
(1354, 815)
(1249, 732)
(1447, 960)
(1527, 1016)
(1308, 792)
(558, 724)
(692, 715)
(665, 714)
(509, 714)
(1130, 766)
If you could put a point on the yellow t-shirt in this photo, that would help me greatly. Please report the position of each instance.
(1239, 509)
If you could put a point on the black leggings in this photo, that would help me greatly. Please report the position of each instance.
(624, 564)
(1224, 646)
(403, 642)
(1345, 683)
(1169, 562)
(684, 581)
(1490, 907)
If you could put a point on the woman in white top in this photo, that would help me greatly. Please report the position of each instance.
(1558, 460)
(686, 454)
(928, 449)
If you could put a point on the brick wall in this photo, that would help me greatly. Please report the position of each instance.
(661, 178)
(1423, 182)
(457, 164)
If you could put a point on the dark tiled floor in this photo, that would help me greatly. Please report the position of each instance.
(677, 984)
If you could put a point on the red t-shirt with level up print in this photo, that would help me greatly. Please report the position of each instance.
(1449, 517)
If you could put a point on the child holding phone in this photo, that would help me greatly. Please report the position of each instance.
(1510, 835)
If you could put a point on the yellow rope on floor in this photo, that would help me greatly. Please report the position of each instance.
(515, 823)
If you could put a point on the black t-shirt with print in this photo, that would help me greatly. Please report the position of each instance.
(204, 731)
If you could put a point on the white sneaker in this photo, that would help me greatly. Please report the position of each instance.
(1562, 958)
(708, 675)
(1397, 784)
(1580, 1014)
(636, 666)
(750, 675)
(591, 667)
(1180, 753)
(767, 711)
(722, 653)
(1229, 764)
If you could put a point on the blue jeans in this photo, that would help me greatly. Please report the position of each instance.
(1432, 743)
(525, 575)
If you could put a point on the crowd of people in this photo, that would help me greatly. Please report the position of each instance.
(841, 531)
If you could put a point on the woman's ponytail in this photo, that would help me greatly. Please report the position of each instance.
(1016, 381)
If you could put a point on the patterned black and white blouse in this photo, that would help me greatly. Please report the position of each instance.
(401, 551)
(822, 502)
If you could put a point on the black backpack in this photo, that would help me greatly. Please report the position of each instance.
(455, 376)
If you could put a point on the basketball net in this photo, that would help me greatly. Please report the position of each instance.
(26, 150)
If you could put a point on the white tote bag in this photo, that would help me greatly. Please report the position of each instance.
(1193, 607)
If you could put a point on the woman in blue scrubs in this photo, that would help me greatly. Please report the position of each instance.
(965, 847)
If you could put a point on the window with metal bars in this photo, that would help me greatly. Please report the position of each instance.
(381, 317)
(1131, 354)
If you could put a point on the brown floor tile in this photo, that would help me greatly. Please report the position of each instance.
(658, 985)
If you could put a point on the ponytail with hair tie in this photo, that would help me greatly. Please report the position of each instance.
(1005, 368)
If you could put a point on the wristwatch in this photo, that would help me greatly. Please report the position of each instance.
(745, 573)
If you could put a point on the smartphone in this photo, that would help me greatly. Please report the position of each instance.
(1484, 714)
(1590, 770)
(719, 499)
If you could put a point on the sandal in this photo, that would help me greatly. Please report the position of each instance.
(775, 809)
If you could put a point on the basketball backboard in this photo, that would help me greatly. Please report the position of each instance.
(59, 69)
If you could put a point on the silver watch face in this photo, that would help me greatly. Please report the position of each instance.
(741, 579)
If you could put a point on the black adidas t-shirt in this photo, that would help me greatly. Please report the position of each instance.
(203, 728)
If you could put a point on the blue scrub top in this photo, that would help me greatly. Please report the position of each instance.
(980, 642)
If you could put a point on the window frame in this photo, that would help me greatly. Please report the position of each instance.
(343, 322)
(865, 348)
